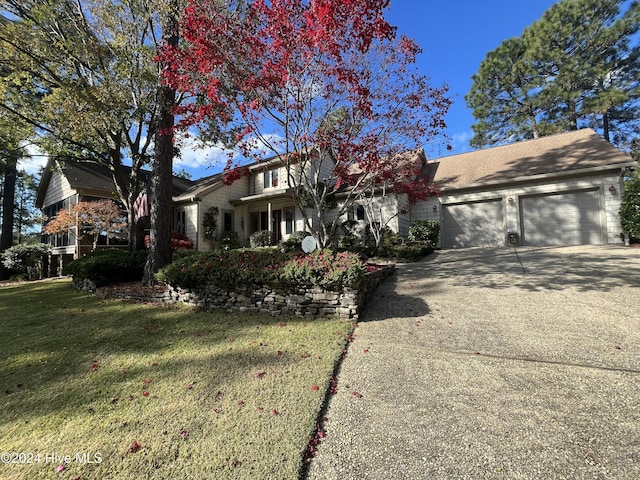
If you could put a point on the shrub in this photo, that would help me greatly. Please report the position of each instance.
(294, 242)
(409, 252)
(326, 269)
(109, 266)
(264, 238)
(425, 231)
(179, 241)
(22, 258)
(350, 241)
(391, 239)
(630, 207)
(227, 269)
(229, 241)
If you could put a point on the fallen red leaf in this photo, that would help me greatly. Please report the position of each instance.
(260, 374)
(147, 381)
(315, 387)
(274, 412)
(184, 434)
(356, 394)
(135, 447)
(94, 366)
(145, 393)
(60, 468)
(618, 347)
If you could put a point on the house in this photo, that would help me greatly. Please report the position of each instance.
(558, 190)
(63, 185)
(562, 189)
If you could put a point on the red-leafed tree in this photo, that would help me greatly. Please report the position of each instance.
(401, 178)
(89, 220)
(324, 86)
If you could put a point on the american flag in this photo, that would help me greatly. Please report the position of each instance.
(141, 206)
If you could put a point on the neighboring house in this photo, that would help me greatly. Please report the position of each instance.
(558, 190)
(64, 185)
(562, 189)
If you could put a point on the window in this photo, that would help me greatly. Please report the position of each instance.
(227, 222)
(359, 212)
(288, 221)
(181, 222)
(270, 178)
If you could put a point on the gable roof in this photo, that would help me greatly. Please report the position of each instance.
(199, 188)
(556, 155)
(85, 176)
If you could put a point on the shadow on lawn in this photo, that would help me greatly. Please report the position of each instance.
(80, 352)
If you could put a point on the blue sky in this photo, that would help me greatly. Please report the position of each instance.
(455, 36)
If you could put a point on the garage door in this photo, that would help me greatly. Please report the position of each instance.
(562, 219)
(477, 224)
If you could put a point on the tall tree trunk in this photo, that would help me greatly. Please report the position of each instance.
(161, 177)
(8, 203)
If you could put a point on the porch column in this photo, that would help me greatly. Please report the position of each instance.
(269, 219)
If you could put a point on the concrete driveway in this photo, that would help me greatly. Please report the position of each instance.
(490, 364)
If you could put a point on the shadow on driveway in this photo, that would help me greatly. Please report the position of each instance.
(587, 268)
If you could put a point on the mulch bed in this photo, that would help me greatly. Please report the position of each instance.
(133, 291)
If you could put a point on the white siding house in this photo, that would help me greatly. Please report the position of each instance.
(559, 190)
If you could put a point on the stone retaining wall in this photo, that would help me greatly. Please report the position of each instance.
(284, 299)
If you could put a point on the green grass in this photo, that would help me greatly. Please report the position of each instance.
(229, 395)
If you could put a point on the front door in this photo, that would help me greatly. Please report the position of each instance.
(276, 222)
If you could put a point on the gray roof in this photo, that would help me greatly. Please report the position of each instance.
(86, 176)
(563, 154)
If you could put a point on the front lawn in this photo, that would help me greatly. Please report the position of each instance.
(136, 391)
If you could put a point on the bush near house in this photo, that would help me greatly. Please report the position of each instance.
(264, 238)
(324, 268)
(109, 266)
(237, 268)
(294, 242)
(425, 231)
(630, 207)
(229, 269)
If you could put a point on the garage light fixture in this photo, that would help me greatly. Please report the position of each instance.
(612, 189)
(435, 208)
(510, 200)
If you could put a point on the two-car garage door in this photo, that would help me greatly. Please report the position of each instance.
(561, 218)
(569, 218)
